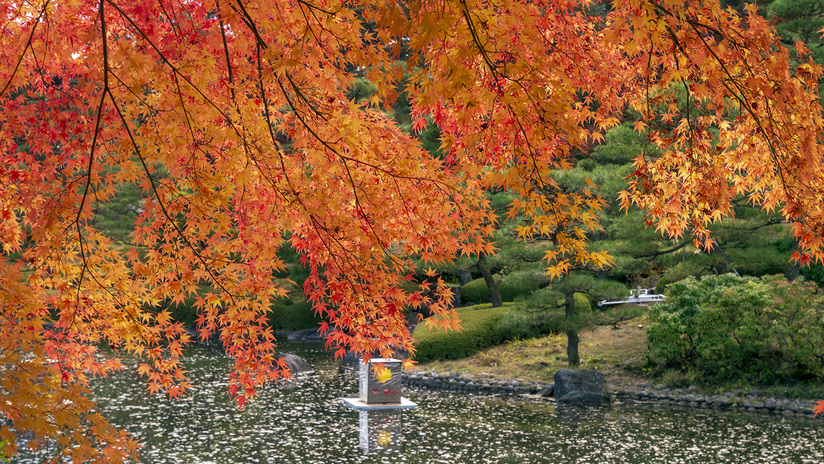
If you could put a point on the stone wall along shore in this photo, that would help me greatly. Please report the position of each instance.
(653, 396)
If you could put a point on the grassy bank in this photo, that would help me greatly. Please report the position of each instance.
(620, 353)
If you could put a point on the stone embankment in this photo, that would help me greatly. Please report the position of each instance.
(653, 396)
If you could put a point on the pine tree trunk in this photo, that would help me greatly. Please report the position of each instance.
(571, 332)
(494, 291)
(466, 276)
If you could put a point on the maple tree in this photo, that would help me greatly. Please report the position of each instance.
(231, 119)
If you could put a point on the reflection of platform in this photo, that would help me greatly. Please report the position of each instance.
(355, 403)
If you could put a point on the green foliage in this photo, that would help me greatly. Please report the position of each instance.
(500, 201)
(5, 457)
(726, 328)
(185, 312)
(289, 316)
(799, 20)
(478, 331)
(582, 303)
(116, 217)
(815, 273)
(361, 90)
(430, 139)
(521, 323)
(587, 164)
(679, 272)
(516, 285)
(475, 292)
(680, 379)
(520, 284)
(611, 314)
(621, 145)
(294, 270)
(544, 299)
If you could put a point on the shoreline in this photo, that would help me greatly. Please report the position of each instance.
(639, 392)
(655, 397)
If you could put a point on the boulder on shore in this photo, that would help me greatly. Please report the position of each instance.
(584, 387)
(297, 364)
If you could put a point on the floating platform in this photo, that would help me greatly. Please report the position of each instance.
(355, 403)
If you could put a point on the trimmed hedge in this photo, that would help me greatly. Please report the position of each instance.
(512, 286)
(520, 324)
(475, 292)
(478, 331)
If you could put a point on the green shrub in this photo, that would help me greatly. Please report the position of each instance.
(727, 328)
(475, 292)
(519, 324)
(815, 273)
(679, 272)
(582, 303)
(522, 284)
(478, 331)
(622, 144)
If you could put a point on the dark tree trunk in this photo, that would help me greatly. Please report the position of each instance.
(571, 332)
(494, 291)
(466, 276)
(794, 268)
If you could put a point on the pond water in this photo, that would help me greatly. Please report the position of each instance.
(305, 422)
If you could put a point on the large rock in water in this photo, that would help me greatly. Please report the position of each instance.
(584, 387)
(297, 364)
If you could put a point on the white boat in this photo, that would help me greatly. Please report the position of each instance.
(639, 296)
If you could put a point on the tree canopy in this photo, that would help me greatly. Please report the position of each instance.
(232, 119)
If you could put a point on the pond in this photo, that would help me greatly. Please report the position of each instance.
(305, 422)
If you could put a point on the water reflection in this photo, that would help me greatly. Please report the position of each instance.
(306, 422)
(575, 415)
(380, 431)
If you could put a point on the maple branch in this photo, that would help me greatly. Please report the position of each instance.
(310, 30)
(493, 70)
(174, 69)
(207, 267)
(653, 254)
(344, 160)
(185, 111)
(441, 185)
(315, 7)
(177, 73)
(346, 255)
(250, 23)
(228, 60)
(735, 89)
(28, 45)
(172, 22)
(739, 95)
(94, 145)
